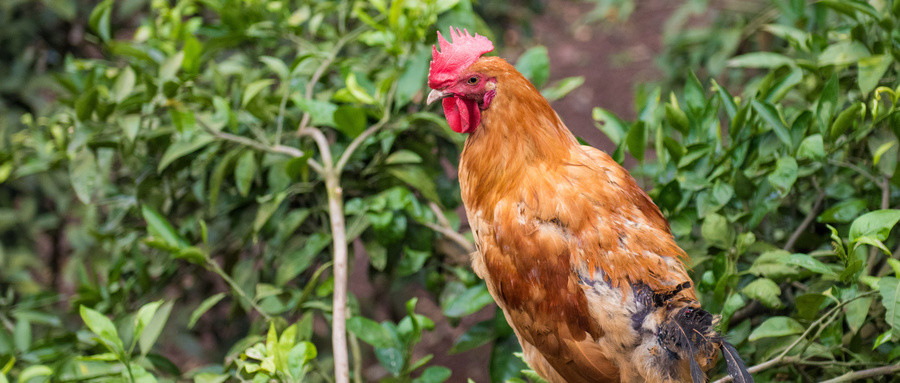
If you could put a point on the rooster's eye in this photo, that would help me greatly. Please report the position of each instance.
(473, 80)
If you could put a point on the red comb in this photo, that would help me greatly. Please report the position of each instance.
(456, 56)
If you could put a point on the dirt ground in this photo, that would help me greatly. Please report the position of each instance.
(613, 57)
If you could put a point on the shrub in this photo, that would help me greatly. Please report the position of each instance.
(786, 195)
(204, 179)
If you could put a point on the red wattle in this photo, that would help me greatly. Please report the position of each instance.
(463, 115)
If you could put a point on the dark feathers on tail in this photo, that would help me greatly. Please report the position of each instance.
(734, 365)
(685, 334)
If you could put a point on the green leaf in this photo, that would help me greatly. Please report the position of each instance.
(772, 117)
(245, 172)
(480, 334)
(252, 90)
(415, 176)
(182, 148)
(609, 124)
(760, 60)
(124, 84)
(414, 77)
(889, 287)
(350, 120)
(562, 87)
(784, 175)
(170, 67)
(845, 119)
(84, 175)
(155, 327)
(773, 264)
(370, 332)
(877, 224)
(357, 90)
(298, 261)
(776, 327)
(277, 66)
(843, 53)
(144, 316)
(204, 306)
(534, 64)
(871, 70)
(104, 328)
(811, 264)
(468, 302)
(22, 335)
(636, 140)
(850, 7)
(158, 226)
(812, 147)
(321, 113)
(35, 371)
(218, 176)
(843, 211)
(717, 231)
(764, 290)
(808, 305)
(827, 104)
(403, 156)
(883, 338)
(856, 312)
(412, 261)
(266, 209)
(99, 21)
(678, 119)
(434, 374)
(85, 104)
(391, 359)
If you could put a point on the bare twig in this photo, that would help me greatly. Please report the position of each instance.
(452, 235)
(820, 198)
(279, 149)
(237, 288)
(357, 359)
(885, 186)
(368, 132)
(862, 374)
(857, 169)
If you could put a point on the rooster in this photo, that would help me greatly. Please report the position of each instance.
(578, 257)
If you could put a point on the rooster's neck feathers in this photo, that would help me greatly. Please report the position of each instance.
(519, 130)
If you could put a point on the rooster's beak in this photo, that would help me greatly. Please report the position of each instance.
(436, 95)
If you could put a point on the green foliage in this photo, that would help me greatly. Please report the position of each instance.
(183, 184)
(784, 196)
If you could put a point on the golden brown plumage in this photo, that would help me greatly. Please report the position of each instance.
(578, 257)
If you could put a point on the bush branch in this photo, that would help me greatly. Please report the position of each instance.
(869, 373)
(278, 149)
(820, 198)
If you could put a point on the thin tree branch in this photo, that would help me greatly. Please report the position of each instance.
(820, 198)
(237, 288)
(452, 235)
(388, 105)
(339, 299)
(279, 149)
(885, 186)
(862, 374)
(857, 169)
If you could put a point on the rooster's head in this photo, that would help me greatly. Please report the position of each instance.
(465, 92)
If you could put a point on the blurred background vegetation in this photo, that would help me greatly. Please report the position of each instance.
(178, 178)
